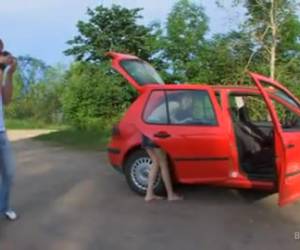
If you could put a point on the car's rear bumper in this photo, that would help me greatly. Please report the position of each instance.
(114, 151)
(115, 158)
(119, 169)
(118, 148)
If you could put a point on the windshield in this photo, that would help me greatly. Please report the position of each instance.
(142, 72)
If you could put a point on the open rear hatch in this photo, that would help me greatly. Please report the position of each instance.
(136, 71)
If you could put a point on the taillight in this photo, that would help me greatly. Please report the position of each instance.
(115, 130)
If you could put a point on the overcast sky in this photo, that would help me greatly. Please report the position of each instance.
(40, 28)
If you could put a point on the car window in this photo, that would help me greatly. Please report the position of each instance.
(257, 109)
(156, 108)
(279, 93)
(250, 108)
(190, 107)
(287, 98)
(142, 72)
(289, 120)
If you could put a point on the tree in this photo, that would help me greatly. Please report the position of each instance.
(275, 28)
(31, 70)
(37, 90)
(92, 98)
(183, 39)
(108, 29)
(225, 58)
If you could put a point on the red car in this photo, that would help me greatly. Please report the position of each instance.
(240, 136)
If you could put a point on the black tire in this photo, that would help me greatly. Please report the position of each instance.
(135, 164)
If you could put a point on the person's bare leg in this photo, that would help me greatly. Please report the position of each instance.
(163, 163)
(152, 177)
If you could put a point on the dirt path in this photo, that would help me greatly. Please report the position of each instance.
(16, 135)
(73, 200)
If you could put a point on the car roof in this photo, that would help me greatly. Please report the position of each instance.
(177, 86)
(234, 87)
(204, 86)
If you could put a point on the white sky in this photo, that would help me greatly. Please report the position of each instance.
(41, 27)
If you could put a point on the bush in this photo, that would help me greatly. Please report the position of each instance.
(93, 98)
(38, 100)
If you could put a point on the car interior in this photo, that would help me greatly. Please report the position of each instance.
(254, 136)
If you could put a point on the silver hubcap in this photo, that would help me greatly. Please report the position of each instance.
(140, 173)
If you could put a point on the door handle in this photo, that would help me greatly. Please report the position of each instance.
(290, 146)
(162, 134)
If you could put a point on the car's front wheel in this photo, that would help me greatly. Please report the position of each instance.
(137, 168)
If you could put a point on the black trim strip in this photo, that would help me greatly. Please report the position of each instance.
(292, 173)
(118, 169)
(201, 159)
(114, 150)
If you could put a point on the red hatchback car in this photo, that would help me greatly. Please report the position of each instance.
(240, 137)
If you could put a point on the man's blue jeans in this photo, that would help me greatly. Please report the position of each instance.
(7, 169)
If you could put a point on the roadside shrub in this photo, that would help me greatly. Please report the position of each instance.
(92, 98)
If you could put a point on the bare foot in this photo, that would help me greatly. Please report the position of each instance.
(153, 198)
(175, 197)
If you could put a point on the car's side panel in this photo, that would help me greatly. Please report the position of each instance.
(199, 153)
(242, 182)
(130, 138)
(289, 189)
(236, 173)
(129, 135)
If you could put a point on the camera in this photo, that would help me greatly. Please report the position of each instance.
(2, 65)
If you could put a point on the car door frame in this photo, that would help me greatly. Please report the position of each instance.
(288, 185)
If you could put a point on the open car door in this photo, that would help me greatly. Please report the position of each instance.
(287, 139)
(136, 71)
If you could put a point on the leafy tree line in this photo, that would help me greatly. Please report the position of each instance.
(37, 89)
(88, 95)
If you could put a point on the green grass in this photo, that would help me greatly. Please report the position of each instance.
(29, 124)
(64, 135)
(87, 140)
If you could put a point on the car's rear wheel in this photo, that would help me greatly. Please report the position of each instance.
(137, 167)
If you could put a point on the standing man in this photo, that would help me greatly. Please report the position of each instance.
(8, 66)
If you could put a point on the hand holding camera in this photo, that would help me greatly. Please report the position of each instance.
(6, 59)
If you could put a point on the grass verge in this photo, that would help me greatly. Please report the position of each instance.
(30, 124)
(80, 139)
